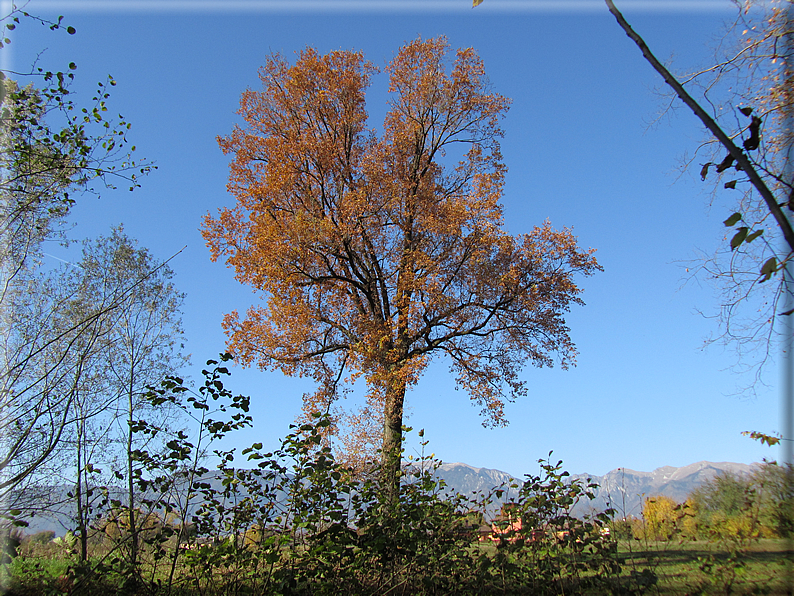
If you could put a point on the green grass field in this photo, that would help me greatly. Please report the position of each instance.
(663, 568)
(695, 567)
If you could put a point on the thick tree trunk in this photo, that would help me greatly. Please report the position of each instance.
(392, 440)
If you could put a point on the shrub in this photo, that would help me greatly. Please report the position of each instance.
(660, 515)
(299, 522)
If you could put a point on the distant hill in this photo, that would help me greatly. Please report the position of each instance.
(467, 479)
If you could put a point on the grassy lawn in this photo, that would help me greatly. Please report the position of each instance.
(676, 569)
(690, 568)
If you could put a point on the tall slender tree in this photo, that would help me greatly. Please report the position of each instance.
(141, 344)
(376, 253)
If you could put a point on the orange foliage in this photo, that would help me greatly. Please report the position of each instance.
(377, 252)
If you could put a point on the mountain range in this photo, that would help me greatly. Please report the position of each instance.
(625, 490)
(622, 489)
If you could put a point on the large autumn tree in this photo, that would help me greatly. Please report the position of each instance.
(376, 252)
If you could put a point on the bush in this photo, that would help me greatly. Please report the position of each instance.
(298, 522)
(329, 532)
(661, 515)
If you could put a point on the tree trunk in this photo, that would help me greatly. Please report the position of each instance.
(392, 440)
(82, 524)
(133, 531)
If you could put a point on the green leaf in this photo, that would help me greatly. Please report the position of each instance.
(731, 184)
(739, 237)
(71, 30)
(768, 269)
(476, 3)
(733, 220)
(72, 66)
(754, 235)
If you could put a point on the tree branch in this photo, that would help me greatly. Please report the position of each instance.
(735, 152)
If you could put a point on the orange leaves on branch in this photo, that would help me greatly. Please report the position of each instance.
(770, 440)
(377, 252)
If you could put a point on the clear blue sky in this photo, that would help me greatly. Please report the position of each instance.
(579, 150)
